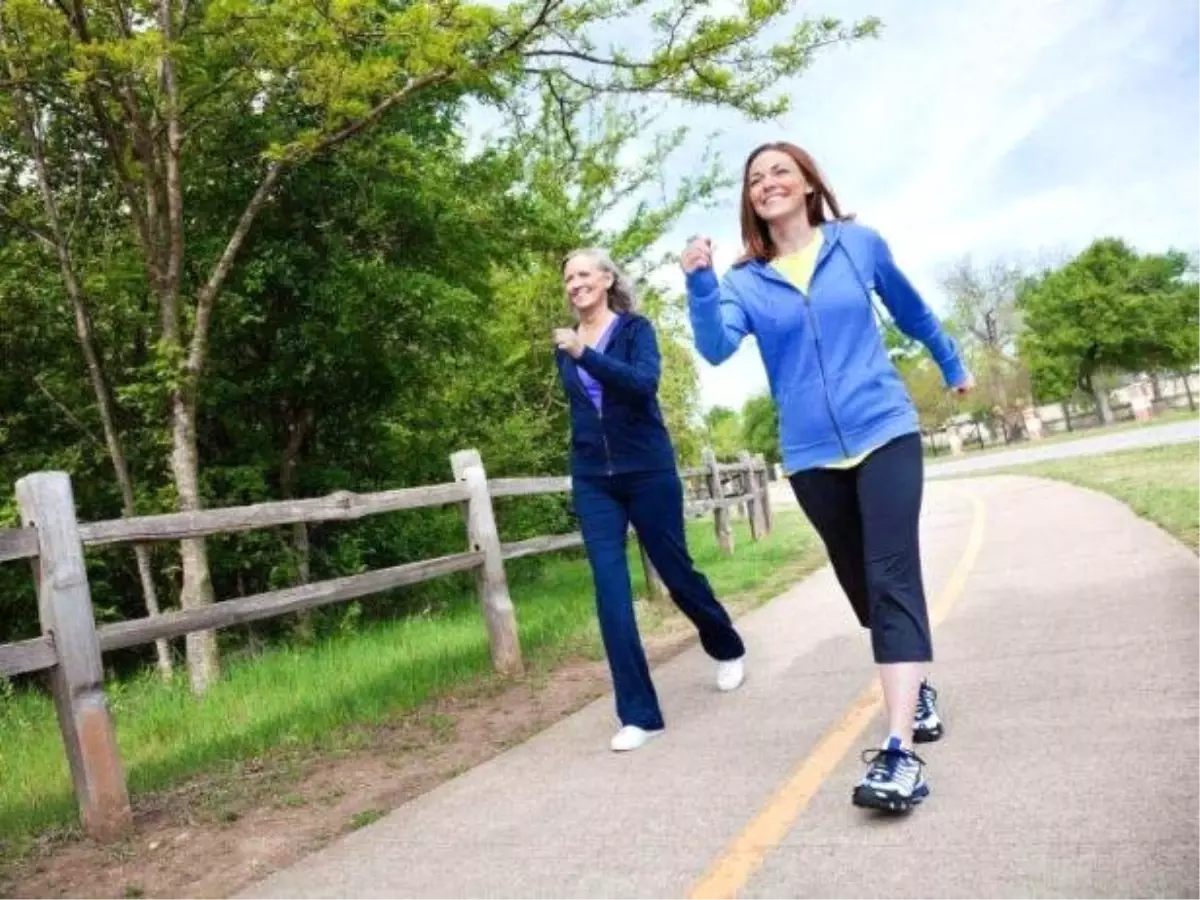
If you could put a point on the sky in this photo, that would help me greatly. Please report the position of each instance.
(1017, 129)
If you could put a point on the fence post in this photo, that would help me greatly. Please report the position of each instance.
(753, 499)
(656, 589)
(715, 491)
(490, 580)
(764, 485)
(65, 611)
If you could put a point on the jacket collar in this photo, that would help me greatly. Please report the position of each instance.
(831, 236)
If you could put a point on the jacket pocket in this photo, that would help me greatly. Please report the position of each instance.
(875, 395)
(804, 417)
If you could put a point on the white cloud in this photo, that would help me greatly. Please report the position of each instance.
(1004, 129)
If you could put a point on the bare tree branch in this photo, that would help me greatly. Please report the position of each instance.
(566, 53)
(40, 236)
(174, 223)
(78, 215)
(564, 118)
(208, 293)
(74, 419)
(539, 21)
(112, 139)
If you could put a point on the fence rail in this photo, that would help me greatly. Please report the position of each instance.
(71, 645)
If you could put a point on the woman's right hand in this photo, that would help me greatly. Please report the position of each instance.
(697, 255)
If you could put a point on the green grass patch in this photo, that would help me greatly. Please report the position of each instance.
(319, 697)
(365, 818)
(1161, 484)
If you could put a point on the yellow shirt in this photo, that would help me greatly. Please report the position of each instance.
(798, 268)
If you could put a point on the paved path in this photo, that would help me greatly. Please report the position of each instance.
(1148, 436)
(1067, 665)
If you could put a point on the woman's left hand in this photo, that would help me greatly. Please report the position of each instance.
(568, 342)
(965, 388)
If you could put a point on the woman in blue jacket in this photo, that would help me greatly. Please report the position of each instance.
(847, 426)
(623, 471)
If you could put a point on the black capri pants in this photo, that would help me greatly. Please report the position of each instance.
(868, 518)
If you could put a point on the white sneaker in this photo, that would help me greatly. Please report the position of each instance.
(631, 737)
(731, 673)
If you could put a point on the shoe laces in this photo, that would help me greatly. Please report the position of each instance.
(885, 761)
(926, 697)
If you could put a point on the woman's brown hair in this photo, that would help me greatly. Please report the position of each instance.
(821, 204)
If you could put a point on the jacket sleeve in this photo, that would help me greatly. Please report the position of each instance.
(718, 320)
(638, 377)
(913, 316)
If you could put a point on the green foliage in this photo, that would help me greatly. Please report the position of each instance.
(934, 404)
(387, 298)
(1110, 310)
(723, 433)
(760, 427)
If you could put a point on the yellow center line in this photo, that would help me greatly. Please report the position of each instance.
(746, 853)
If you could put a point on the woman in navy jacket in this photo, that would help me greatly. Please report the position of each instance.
(847, 426)
(623, 472)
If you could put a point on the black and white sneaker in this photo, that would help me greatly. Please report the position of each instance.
(894, 782)
(927, 724)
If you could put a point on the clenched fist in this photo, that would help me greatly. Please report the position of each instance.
(567, 340)
(697, 255)
(966, 387)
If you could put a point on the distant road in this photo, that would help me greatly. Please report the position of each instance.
(1150, 436)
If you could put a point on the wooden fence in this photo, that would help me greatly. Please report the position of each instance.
(71, 645)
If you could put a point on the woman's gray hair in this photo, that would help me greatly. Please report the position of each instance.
(621, 296)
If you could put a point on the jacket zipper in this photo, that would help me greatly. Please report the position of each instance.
(604, 438)
(821, 367)
(608, 466)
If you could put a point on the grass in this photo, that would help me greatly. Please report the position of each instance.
(1161, 484)
(365, 818)
(317, 698)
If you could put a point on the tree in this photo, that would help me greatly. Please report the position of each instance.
(934, 404)
(723, 432)
(143, 85)
(347, 356)
(760, 427)
(1108, 310)
(53, 236)
(984, 305)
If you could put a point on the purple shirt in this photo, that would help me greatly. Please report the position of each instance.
(590, 384)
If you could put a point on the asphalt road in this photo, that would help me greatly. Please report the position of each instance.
(1149, 436)
(1066, 641)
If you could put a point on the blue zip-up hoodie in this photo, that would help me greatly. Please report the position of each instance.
(627, 433)
(837, 391)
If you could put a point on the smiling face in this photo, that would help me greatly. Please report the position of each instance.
(777, 187)
(586, 283)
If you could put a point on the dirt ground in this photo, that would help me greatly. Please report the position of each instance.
(215, 835)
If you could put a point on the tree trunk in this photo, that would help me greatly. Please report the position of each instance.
(1103, 408)
(204, 664)
(28, 115)
(1086, 382)
(1187, 387)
